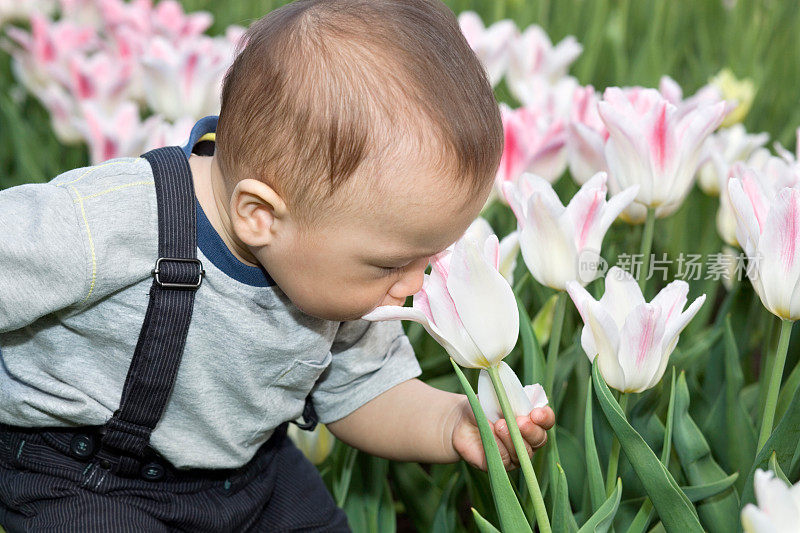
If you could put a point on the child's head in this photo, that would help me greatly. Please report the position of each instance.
(352, 131)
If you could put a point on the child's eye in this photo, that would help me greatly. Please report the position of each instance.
(391, 270)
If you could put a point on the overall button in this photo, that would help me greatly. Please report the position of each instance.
(81, 446)
(152, 471)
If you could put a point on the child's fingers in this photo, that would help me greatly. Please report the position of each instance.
(533, 434)
(544, 417)
(501, 430)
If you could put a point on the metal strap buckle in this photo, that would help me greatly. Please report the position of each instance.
(173, 285)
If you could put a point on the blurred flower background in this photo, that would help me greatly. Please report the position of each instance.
(687, 110)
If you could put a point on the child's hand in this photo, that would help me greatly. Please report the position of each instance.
(467, 439)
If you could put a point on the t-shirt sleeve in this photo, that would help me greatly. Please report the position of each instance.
(368, 359)
(43, 258)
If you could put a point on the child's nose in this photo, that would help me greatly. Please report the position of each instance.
(410, 283)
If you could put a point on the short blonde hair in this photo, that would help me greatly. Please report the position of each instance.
(320, 88)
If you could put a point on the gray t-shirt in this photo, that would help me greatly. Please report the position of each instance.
(76, 256)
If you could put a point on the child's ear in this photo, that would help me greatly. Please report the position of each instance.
(255, 207)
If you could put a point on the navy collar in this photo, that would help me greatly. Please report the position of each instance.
(208, 240)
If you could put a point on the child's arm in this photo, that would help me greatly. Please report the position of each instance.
(413, 421)
(45, 256)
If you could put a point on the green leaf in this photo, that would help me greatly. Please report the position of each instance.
(484, 526)
(738, 423)
(697, 493)
(532, 356)
(645, 513)
(698, 351)
(543, 321)
(717, 514)
(342, 481)
(444, 520)
(387, 516)
(512, 518)
(563, 521)
(602, 519)
(417, 491)
(775, 467)
(672, 505)
(666, 448)
(642, 518)
(594, 472)
(479, 490)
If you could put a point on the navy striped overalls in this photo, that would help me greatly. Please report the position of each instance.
(108, 478)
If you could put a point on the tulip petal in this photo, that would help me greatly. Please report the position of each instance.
(672, 331)
(448, 322)
(606, 339)
(585, 208)
(671, 300)
(748, 231)
(536, 395)
(517, 397)
(754, 520)
(521, 403)
(614, 207)
(547, 244)
(396, 312)
(509, 250)
(484, 301)
(779, 255)
(488, 398)
(600, 335)
(640, 346)
(622, 295)
(776, 501)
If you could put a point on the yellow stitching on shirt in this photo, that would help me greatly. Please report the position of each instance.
(112, 189)
(91, 245)
(91, 169)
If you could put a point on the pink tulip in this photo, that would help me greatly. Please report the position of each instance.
(120, 134)
(768, 225)
(509, 247)
(632, 339)
(562, 244)
(534, 142)
(165, 133)
(789, 157)
(490, 44)
(170, 20)
(42, 55)
(101, 77)
(656, 145)
(707, 95)
(65, 117)
(533, 57)
(775, 170)
(523, 400)
(465, 304)
(587, 136)
(721, 150)
(186, 79)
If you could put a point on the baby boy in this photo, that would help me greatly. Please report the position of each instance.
(356, 139)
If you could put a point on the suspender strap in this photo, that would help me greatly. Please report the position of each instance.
(176, 276)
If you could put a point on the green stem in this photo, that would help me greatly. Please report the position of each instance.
(774, 384)
(555, 342)
(522, 454)
(521, 282)
(646, 248)
(613, 460)
(499, 10)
